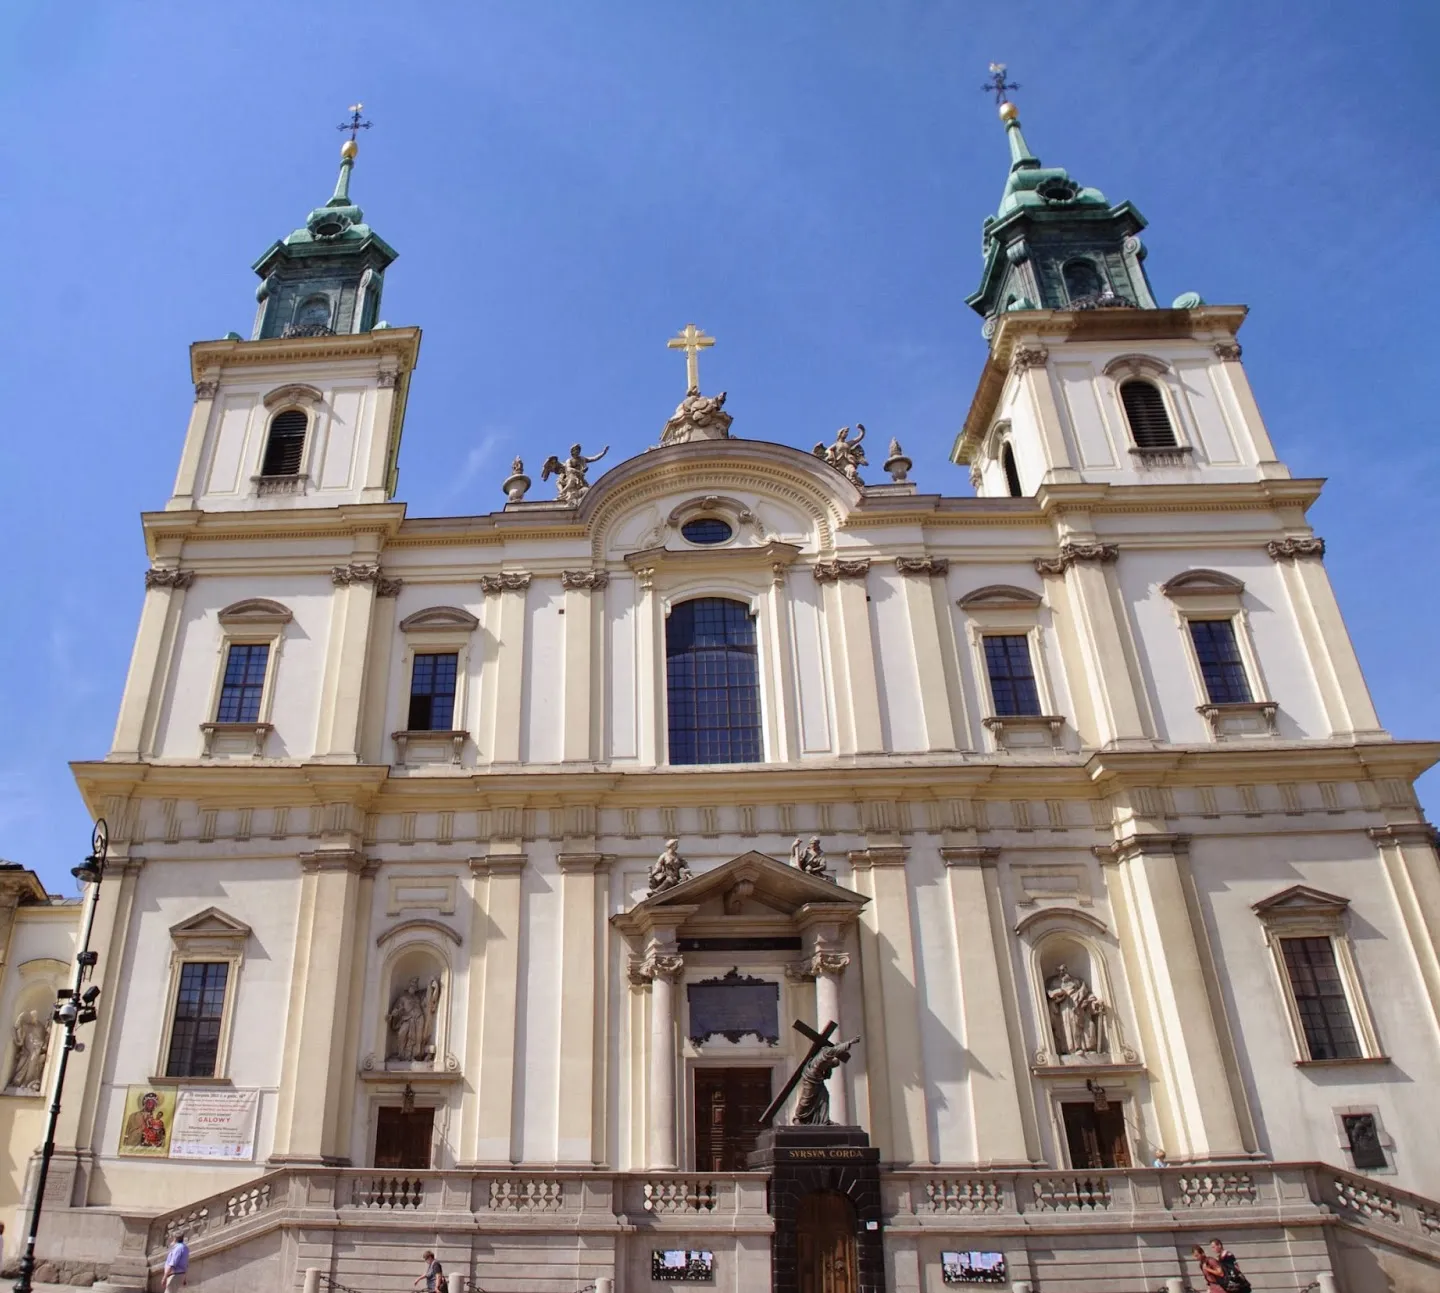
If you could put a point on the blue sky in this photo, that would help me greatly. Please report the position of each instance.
(569, 183)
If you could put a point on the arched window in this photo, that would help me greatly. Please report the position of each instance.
(713, 682)
(315, 312)
(285, 446)
(1145, 411)
(1082, 279)
(1012, 473)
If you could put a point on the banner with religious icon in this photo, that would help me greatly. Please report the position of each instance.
(148, 1118)
(215, 1123)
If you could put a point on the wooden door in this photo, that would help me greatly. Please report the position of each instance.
(1096, 1137)
(825, 1234)
(728, 1105)
(402, 1140)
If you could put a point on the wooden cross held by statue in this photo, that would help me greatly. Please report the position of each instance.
(818, 1042)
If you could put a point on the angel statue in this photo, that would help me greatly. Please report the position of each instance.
(808, 858)
(846, 455)
(570, 481)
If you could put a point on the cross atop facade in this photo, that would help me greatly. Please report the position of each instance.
(354, 125)
(692, 341)
(998, 85)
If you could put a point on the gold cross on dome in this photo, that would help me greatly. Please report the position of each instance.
(692, 341)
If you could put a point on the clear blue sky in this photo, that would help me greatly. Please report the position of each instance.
(567, 184)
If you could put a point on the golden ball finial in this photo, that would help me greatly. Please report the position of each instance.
(348, 150)
(1008, 112)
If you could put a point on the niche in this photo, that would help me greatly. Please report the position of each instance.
(1078, 1020)
(416, 1009)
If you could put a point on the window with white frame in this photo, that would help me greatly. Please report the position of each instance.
(1316, 974)
(1007, 649)
(207, 951)
(712, 676)
(1147, 396)
(1011, 672)
(1222, 668)
(251, 634)
(434, 678)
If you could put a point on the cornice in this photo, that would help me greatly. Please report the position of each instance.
(403, 344)
(348, 521)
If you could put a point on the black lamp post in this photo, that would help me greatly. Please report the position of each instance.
(74, 1005)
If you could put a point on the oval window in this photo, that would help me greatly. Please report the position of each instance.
(707, 529)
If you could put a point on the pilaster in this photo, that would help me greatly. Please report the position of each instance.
(508, 632)
(373, 744)
(490, 1040)
(1184, 1040)
(150, 662)
(848, 602)
(584, 604)
(1001, 1100)
(348, 1076)
(1409, 856)
(582, 1021)
(342, 687)
(1029, 366)
(934, 665)
(183, 495)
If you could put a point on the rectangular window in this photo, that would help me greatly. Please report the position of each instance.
(199, 1008)
(432, 692)
(244, 683)
(1320, 998)
(1220, 664)
(1012, 676)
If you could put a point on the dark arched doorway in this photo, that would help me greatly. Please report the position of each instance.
(825, 1228)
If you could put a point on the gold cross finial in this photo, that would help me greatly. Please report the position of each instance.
(692, 341)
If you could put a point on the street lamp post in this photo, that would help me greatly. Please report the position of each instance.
(74, 1005)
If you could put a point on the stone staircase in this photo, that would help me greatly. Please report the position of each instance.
(1123, 1231)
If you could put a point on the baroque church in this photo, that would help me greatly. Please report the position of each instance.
(740, 865)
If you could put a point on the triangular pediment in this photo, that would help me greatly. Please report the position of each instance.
(740, 885)
(1301, 900)
(210, 923)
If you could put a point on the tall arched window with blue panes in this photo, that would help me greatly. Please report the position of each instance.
(712, 676)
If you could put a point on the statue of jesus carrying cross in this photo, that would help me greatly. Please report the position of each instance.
(812, 1107)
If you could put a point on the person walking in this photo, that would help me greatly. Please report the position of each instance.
(1232, 1281)
(177, 1265)
(1210, 1270)
(433, 1281)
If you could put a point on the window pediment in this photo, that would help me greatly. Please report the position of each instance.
(211, 930)
(1202, 583)
(439, 618)
(1000, 597)
(1301, 904)
(728, 556)
(295, 393)
(258, 611)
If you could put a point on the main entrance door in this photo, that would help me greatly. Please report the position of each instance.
(728, 1105)
(825, 1234)
(1096, 1137)
(403, 1139)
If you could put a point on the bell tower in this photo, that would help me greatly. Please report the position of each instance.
(1089, 379)
(308, 412)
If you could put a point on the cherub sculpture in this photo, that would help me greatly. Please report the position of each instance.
(571, 482)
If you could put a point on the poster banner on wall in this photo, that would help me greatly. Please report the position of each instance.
(149, 1116)
(214, 1124)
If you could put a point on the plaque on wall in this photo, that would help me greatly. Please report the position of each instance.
(734, 1006)
(972, 1268)
(682, 1265)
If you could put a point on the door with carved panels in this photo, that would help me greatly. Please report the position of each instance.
(728, 1105)
(825, 1234)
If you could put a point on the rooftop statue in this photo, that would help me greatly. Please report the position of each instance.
(845, 454)
(697, 417)
(571, 482)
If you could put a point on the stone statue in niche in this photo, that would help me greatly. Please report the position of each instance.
(570, 482)
(1077, 1015)
(809, 858)
(812, 1105)
(845, 454)
(412, 1021)
(30, 1044)
(669, 869)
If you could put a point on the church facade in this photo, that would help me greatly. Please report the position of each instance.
(471, 877)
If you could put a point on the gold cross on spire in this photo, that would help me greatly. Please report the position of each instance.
(692, 341)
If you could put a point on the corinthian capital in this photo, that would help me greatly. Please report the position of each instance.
(513, 580)
(158, 578)
(818, 963)
(354, 572)
(590, 579)
(1290, 549)
(1028, 357)
(1077, 553)
(655, 965)
(829, 571)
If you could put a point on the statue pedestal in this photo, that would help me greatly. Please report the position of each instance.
(807, 1160)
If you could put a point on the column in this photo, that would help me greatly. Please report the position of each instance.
(490, 1040)
(582, 1005)
(1165, 958)
(1115, 687)
(354, 1017)
(996, 1075)
(307, 1118)
(1408, 854)
(1332, 654)
(183, 495)
(934, 666)
(894, 1060)
(507, 628)
(581, 606)
(661, 968)
(342, 688)
(829, 966)
(852, 610)
(149, 662)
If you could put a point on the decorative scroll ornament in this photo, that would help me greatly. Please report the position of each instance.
(584, 579)
(1228, 351)
(158, 578)
(571, 483)
(697, 417)
(1290, 549)
(922, 565)
(655, 965)
(355, 572)
(512, 580)
(1028, 357)
(828, 571)
(1073, 553)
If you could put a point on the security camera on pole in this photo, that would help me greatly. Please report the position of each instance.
(74, 1006)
